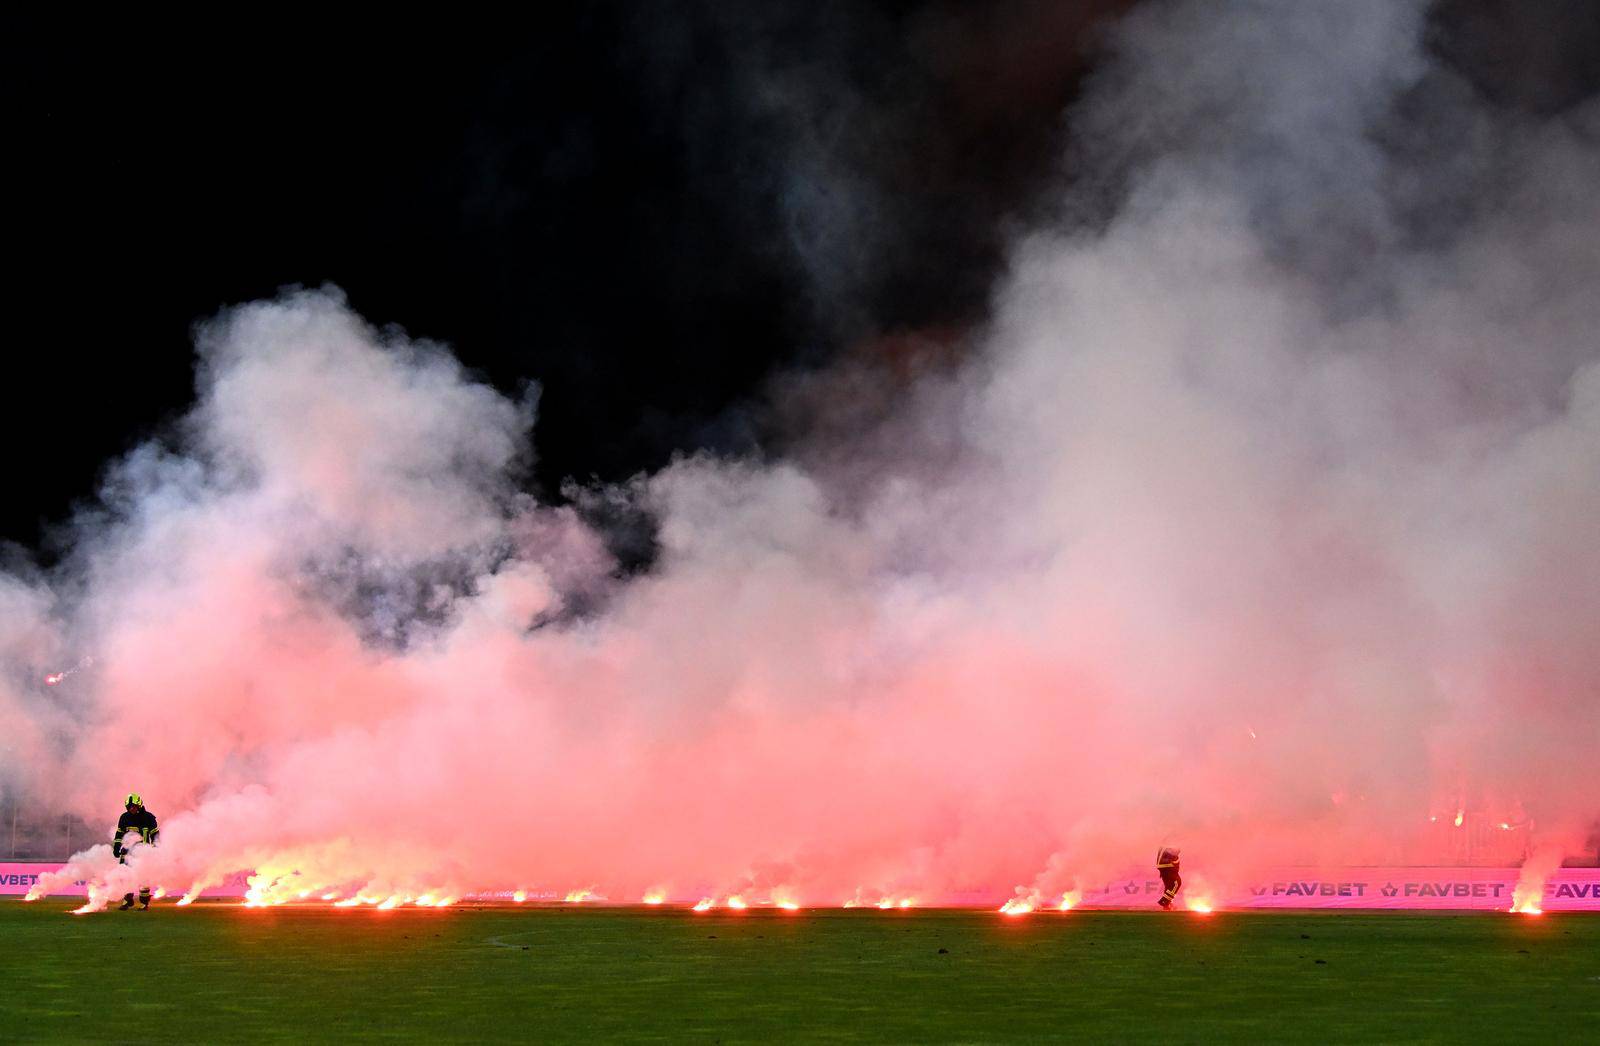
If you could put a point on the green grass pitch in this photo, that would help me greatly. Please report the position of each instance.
(215, 972)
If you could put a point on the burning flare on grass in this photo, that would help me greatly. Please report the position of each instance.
(705, 904)
(1527, 897)
(1016, 906)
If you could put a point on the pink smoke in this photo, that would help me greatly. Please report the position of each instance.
(1182, 551)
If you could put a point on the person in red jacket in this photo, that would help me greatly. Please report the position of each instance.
(1167, 866)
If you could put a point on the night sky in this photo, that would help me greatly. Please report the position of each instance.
(651, 210)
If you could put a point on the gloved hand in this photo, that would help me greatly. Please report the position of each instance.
(116, 850)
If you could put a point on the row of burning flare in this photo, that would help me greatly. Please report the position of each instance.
(258, 896)
(266, 892)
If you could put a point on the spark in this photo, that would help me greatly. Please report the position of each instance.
(55, 677)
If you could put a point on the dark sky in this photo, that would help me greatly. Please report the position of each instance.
(648, 208)
(639, 209)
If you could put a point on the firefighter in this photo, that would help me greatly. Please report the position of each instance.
(134, 819)
(1167, 866)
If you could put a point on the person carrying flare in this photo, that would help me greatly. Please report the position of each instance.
(141, 823)
(1167, 867)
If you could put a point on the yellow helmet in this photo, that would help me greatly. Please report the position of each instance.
(133, 800)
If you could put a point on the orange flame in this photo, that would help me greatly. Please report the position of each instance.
(655, 897)
(1527, 897)
(737, 903)
(1200, 905)
(705, 904)
(1069, 900)
(1016, 906)
(520, 896)
(1461, 815)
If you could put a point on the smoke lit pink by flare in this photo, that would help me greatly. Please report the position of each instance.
(1260, 517)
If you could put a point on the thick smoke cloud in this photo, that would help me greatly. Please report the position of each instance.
(1260, 520)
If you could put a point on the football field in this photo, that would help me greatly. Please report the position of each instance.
(215, 972)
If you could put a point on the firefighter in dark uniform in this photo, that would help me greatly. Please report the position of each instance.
(1167, 866)
(134, 819)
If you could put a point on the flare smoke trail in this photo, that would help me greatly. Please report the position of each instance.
(1261, 516)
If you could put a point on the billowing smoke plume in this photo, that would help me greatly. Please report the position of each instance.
(1261, 518)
